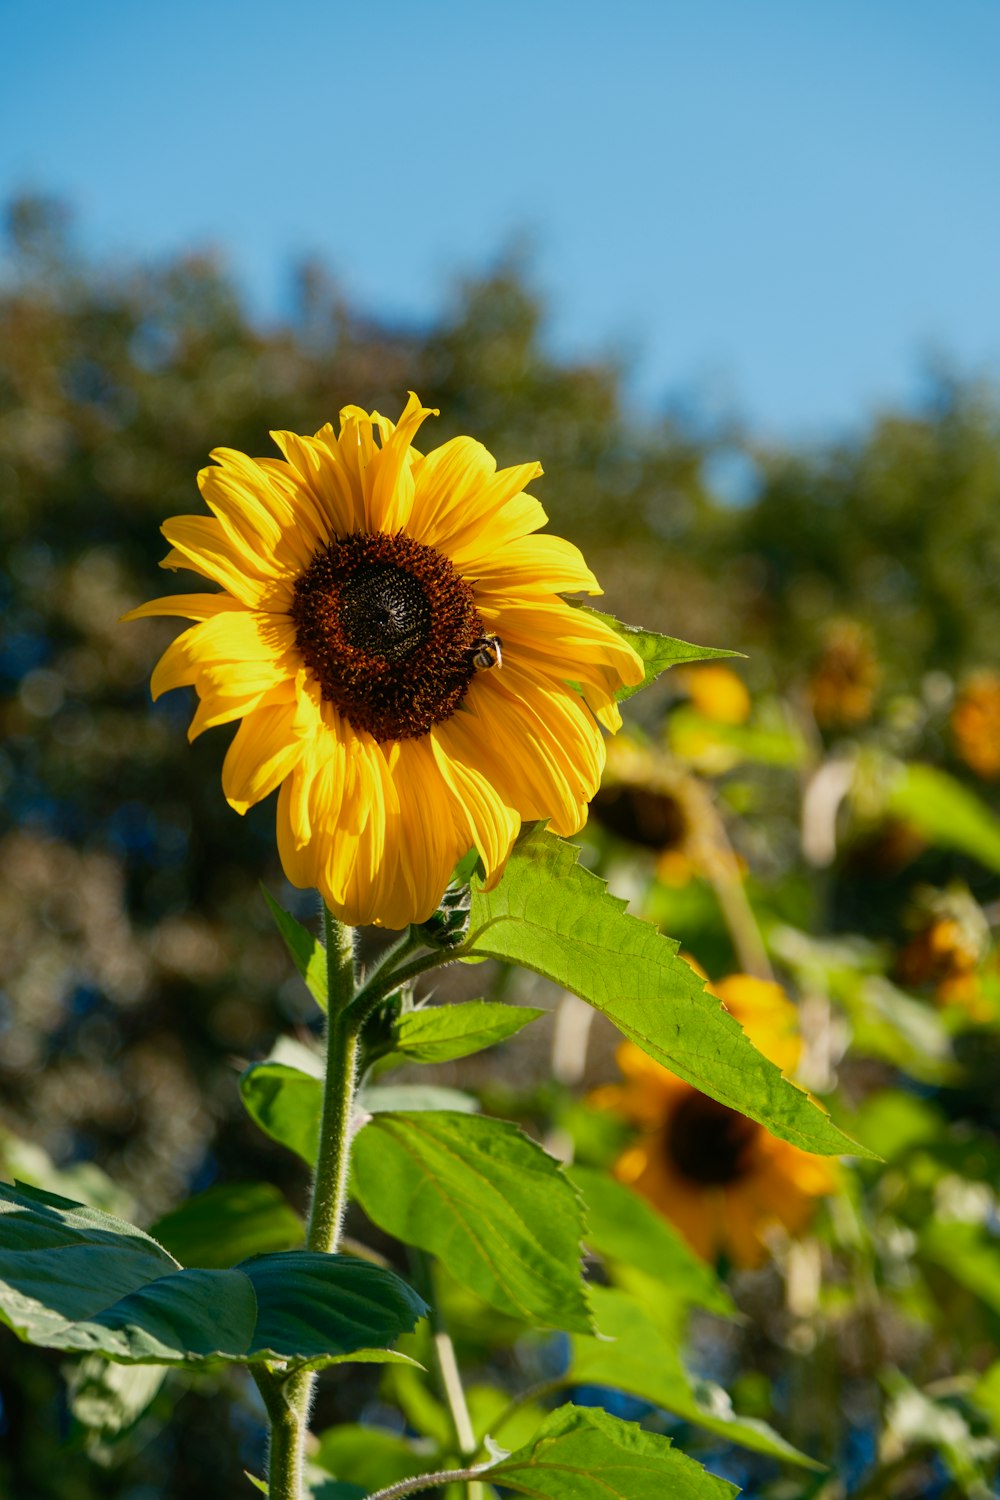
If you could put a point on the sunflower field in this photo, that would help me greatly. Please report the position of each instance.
(499, 976)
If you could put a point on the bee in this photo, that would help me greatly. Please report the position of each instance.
(487, 653)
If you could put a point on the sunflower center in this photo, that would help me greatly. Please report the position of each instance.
(389, 630)
(708, 1143)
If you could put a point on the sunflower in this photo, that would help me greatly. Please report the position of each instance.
(845, 678)
(390, 633)
(721, 1179)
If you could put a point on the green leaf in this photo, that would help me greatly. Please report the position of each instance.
(658, 652)
(372, 1457)
(286, 1104)
(583, 1454)
(385, 1098)
(969, 1253)
(75, 1278)
(621, 1226)
(945, 812)
(227, 1224)
(551, 915)
(308, 953)
(441, 1033)
(634, 1356)
(500, 1213)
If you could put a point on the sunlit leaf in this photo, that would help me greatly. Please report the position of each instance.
(308, 953)
(621, 1226)
(440, 1033)
(634, 1356)
(581, 1453)
(286, 1103)
(477, 1192)
(74, 1278)
(551, 915)
(658, 652)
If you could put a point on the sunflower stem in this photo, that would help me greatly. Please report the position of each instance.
(383, 982)
(289, 1406)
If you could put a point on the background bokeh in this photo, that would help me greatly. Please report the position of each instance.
(754, 348)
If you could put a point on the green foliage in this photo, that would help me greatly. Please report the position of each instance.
(658, 652)
(583, 1454)
(308, 953)
(286, 1104)
(73, 1278)
(551, 915)
(229, 1223)
(946, 812)
(444, 1032)
(477, 1192)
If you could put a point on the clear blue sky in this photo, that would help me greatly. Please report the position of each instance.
(783, 203)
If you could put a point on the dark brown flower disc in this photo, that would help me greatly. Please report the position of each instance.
(389, 630)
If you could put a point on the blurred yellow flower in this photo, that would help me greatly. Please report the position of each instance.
(975, 724)
(721, 1179)
(843, 682)
(717, 693)
(391, 635)
(644, 800)
(948, 950)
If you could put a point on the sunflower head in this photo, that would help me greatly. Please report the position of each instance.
(723, 1180)
(975, 724)
(949, 946)
(390, 634)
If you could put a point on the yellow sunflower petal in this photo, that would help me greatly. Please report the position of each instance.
(536, 565)
(187, 606)
(466, 509)
(484, 820)
(261, 513)
(201, 544)
(264, 751)
(320, 469)
(234, 652)
(389, 476)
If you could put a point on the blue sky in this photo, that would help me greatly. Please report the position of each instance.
(780, 205)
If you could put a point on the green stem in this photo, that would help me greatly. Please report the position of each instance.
(385, 980)
(289, 1402)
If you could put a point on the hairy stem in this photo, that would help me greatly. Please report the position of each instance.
(288, 1402)
(429, 1482)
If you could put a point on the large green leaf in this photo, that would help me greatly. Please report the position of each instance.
(440, 1033)
(227, 1224)
(945, 812)
(658, 652)
(634, 1356)
(74, 1278)
(551, 915)
(308, 953)
(500, 1213)
(584, 1454)
(621, 1226)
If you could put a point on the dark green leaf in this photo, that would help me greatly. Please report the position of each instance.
(109, 1398)
(227, 1224)
(551, 915)
(658, 652)
(308, 953)
(441, 1033)
(584, 1454)
(384, 1098)
(74, 1278)
(371, 1457)
(477, 1192)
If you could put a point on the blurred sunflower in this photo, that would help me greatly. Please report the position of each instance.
(721, 1179)
(391, 634)
(645, 800)
(948, 950)
(975, 724)
(844, 679)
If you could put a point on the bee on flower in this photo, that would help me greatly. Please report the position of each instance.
(721, 1179)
